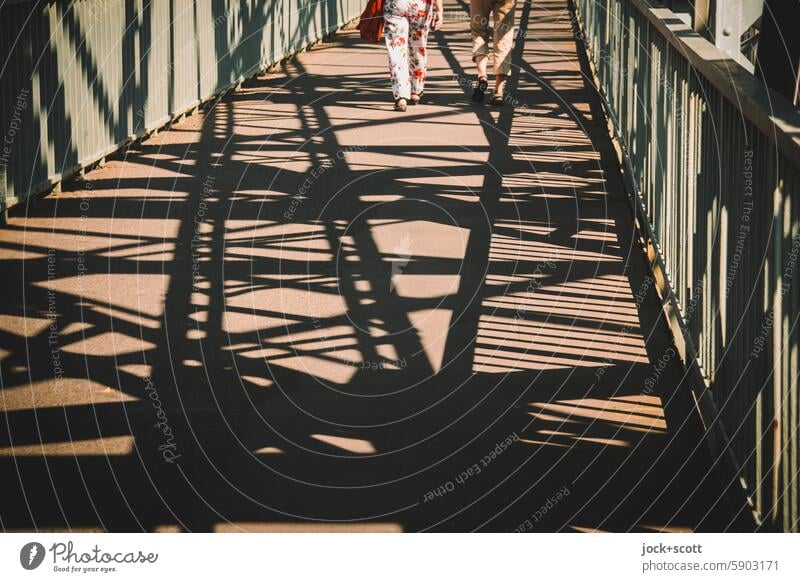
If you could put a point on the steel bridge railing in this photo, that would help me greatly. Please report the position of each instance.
(713, 163)
(80, 79)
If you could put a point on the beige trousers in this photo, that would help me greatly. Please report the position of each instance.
(481, 12)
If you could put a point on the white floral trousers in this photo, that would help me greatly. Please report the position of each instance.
(406, 31)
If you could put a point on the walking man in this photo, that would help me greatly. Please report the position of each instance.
(481, 11)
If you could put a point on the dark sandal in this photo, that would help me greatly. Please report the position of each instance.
(479, 92)
(415, 98)
(400, 104)
(497, 101)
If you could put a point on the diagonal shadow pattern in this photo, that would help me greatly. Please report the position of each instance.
(301, 310)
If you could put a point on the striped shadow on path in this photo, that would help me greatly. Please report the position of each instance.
(304, 311)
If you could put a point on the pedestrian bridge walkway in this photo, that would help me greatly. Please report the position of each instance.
(300, 309)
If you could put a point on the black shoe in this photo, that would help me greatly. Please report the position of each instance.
(479, 92)
(415, 99)
(497, 100)
(400, 104)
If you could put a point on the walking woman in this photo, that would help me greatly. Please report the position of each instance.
(406, 27)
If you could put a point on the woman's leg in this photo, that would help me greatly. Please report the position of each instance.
(395, 31)
(419, 16)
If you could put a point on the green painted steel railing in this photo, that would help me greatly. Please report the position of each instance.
(713, 161)
(80, 78)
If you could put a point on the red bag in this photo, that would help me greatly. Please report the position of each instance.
(371, 22)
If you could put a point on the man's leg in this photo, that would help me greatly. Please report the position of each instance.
(480, 11)
(503, 42)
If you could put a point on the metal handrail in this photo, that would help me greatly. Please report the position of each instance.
(712, 161)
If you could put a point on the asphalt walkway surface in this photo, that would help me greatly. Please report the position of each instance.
(301, 310)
